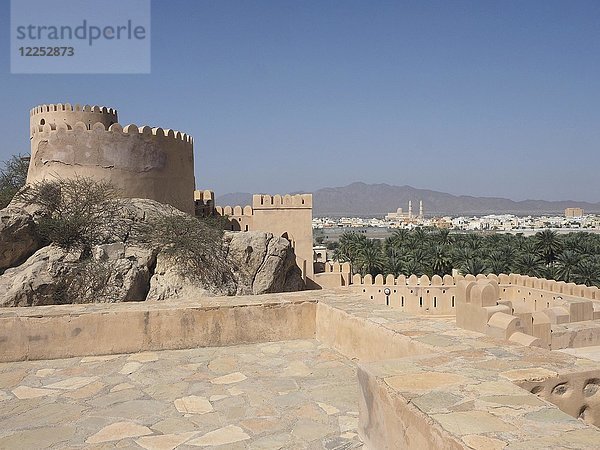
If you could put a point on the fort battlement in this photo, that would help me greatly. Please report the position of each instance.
(204, 203)
(205, 196)
(55, 115)
(88, 141)
(263, 201)
(437, 295)
(416, 295)
(67, 107)
(159, 134)
(413, 280)
(234, 212)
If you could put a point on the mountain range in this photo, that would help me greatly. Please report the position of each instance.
(376, 200)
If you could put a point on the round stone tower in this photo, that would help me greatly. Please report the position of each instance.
(87, 141)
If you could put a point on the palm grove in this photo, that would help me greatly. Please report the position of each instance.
(573, 257)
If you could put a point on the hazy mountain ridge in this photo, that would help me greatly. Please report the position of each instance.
(372, 200)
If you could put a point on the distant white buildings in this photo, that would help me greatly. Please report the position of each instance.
(493, 222)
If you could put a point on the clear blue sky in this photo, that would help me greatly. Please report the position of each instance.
(477, 97)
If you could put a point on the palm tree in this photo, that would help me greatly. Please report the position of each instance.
(443, 237)
(413, 267)
(588, 271)
(566, 263)
(349, 248)
(549, 244)
(441, 262)
(472, 242)
(419, 255)
(509, 253)
(551, 273)
(473, 266)
(370, 257)
(460, 255)
(394, 263)
(399, 238)
(528, 246)
(420, 236)
(528, 264)
(497, 262)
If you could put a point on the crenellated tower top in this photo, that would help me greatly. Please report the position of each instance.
(64, 113)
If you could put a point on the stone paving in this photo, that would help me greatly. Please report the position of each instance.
(592, 352)
(283, 395)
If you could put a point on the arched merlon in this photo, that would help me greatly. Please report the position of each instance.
(264, 201)
(234, 211)
(68, 115)
(66, 107)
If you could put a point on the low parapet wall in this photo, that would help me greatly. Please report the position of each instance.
(50, 332)
(333, 275)
(437, 295)
(415, 295)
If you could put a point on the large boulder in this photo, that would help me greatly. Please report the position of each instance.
(18, 237)
(52, 276)
(255, 263)
(33, 282)
(169, 281)
(127, 270)
(262, 263)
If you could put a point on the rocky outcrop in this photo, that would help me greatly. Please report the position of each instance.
(255, 263)
(170, 282)
(127, 272)
(262, 263)
(18, 238)
(52, 276)
(252, 263)
(34, 281)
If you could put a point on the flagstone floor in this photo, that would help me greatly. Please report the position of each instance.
(284, 395)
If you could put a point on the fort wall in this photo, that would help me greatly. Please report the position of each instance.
(437, 295)
(530, 311)
(289, 216)
(142, 162)
(334, 275)
(415, 295)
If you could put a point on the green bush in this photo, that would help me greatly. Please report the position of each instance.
(13, 176)
(77, 213)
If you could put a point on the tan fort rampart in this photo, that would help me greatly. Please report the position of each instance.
(531, 311)
(334, 274)
(527, 310)
(70, 115)
(415, 295)
(142, 162)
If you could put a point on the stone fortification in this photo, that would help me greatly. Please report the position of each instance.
(289, 216)
(87, 141)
